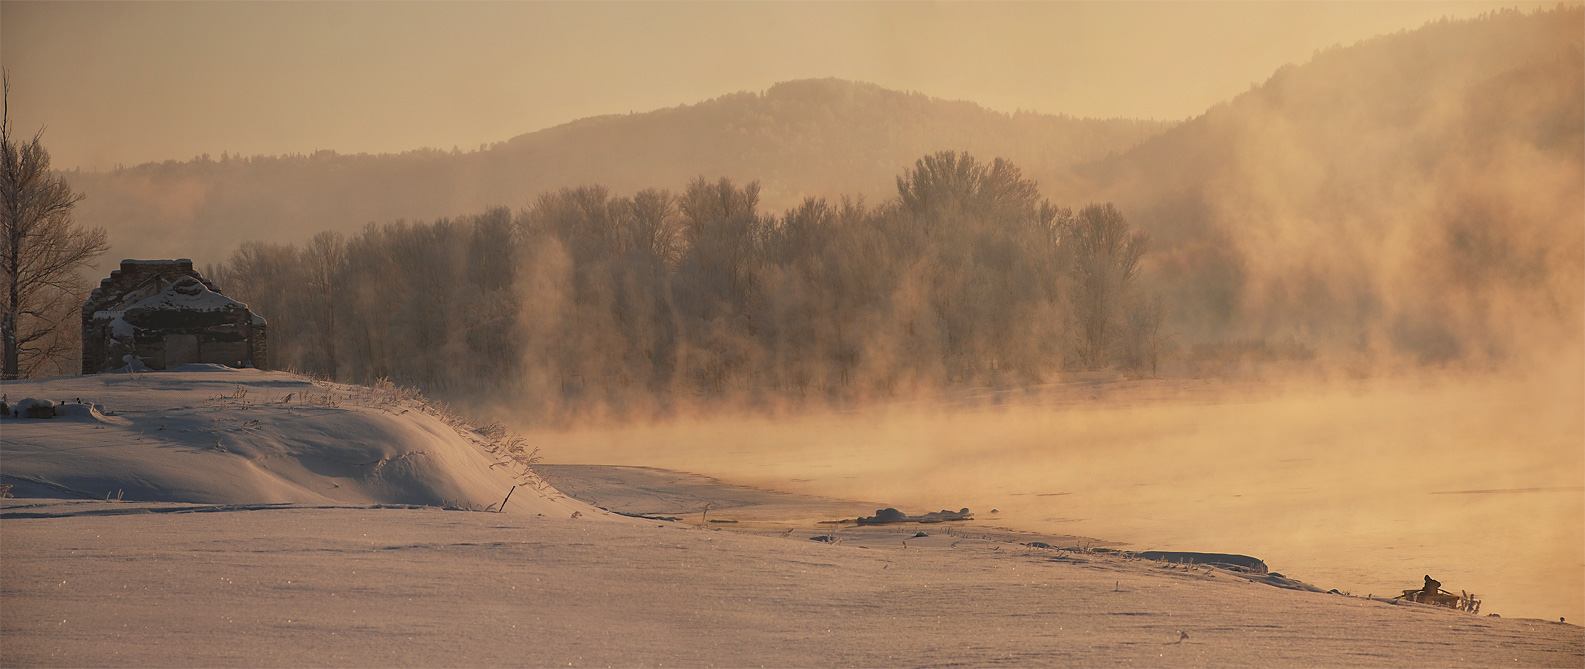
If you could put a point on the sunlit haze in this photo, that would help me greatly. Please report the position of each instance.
(126, 83)
(1155, 333)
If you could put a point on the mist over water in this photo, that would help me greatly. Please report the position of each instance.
(1363, 486)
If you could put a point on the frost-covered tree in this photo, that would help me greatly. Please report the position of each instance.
(988, 248)
(1106, 257)
(41, 251)
(588, 301)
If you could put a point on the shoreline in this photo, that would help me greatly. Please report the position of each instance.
(1363, 504)
(653, 493)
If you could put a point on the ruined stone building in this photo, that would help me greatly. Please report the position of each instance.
(162, 314)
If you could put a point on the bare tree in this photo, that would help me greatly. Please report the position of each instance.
(41, 250)
(655, 226)
(268, 278)
(322, 260)
(1105, 263)
(1143, 336)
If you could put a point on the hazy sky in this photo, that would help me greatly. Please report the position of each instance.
(135, 82)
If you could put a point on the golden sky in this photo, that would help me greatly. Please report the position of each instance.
(134, 82)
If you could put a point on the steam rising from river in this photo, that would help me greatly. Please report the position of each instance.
(1359, 485)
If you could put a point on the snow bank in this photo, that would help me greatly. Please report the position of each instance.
(214, 435)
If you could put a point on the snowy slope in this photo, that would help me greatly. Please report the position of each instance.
(216, 435)
(426, 587)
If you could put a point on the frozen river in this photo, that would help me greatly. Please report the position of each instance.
(1360, 486)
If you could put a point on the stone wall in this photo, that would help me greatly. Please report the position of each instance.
(165, 314)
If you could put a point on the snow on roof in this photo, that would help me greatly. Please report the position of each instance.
(188, 294)
(178, 261)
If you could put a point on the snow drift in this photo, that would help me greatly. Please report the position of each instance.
(210, 434)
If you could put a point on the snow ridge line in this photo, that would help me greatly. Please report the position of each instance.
(51, 484)
(494, 439)
(19, 513)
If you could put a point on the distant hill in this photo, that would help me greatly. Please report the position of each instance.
(1419, 192)
(823, 137)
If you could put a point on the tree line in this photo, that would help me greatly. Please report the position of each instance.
(631, 303)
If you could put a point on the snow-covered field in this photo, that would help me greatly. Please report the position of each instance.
(333, 529)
